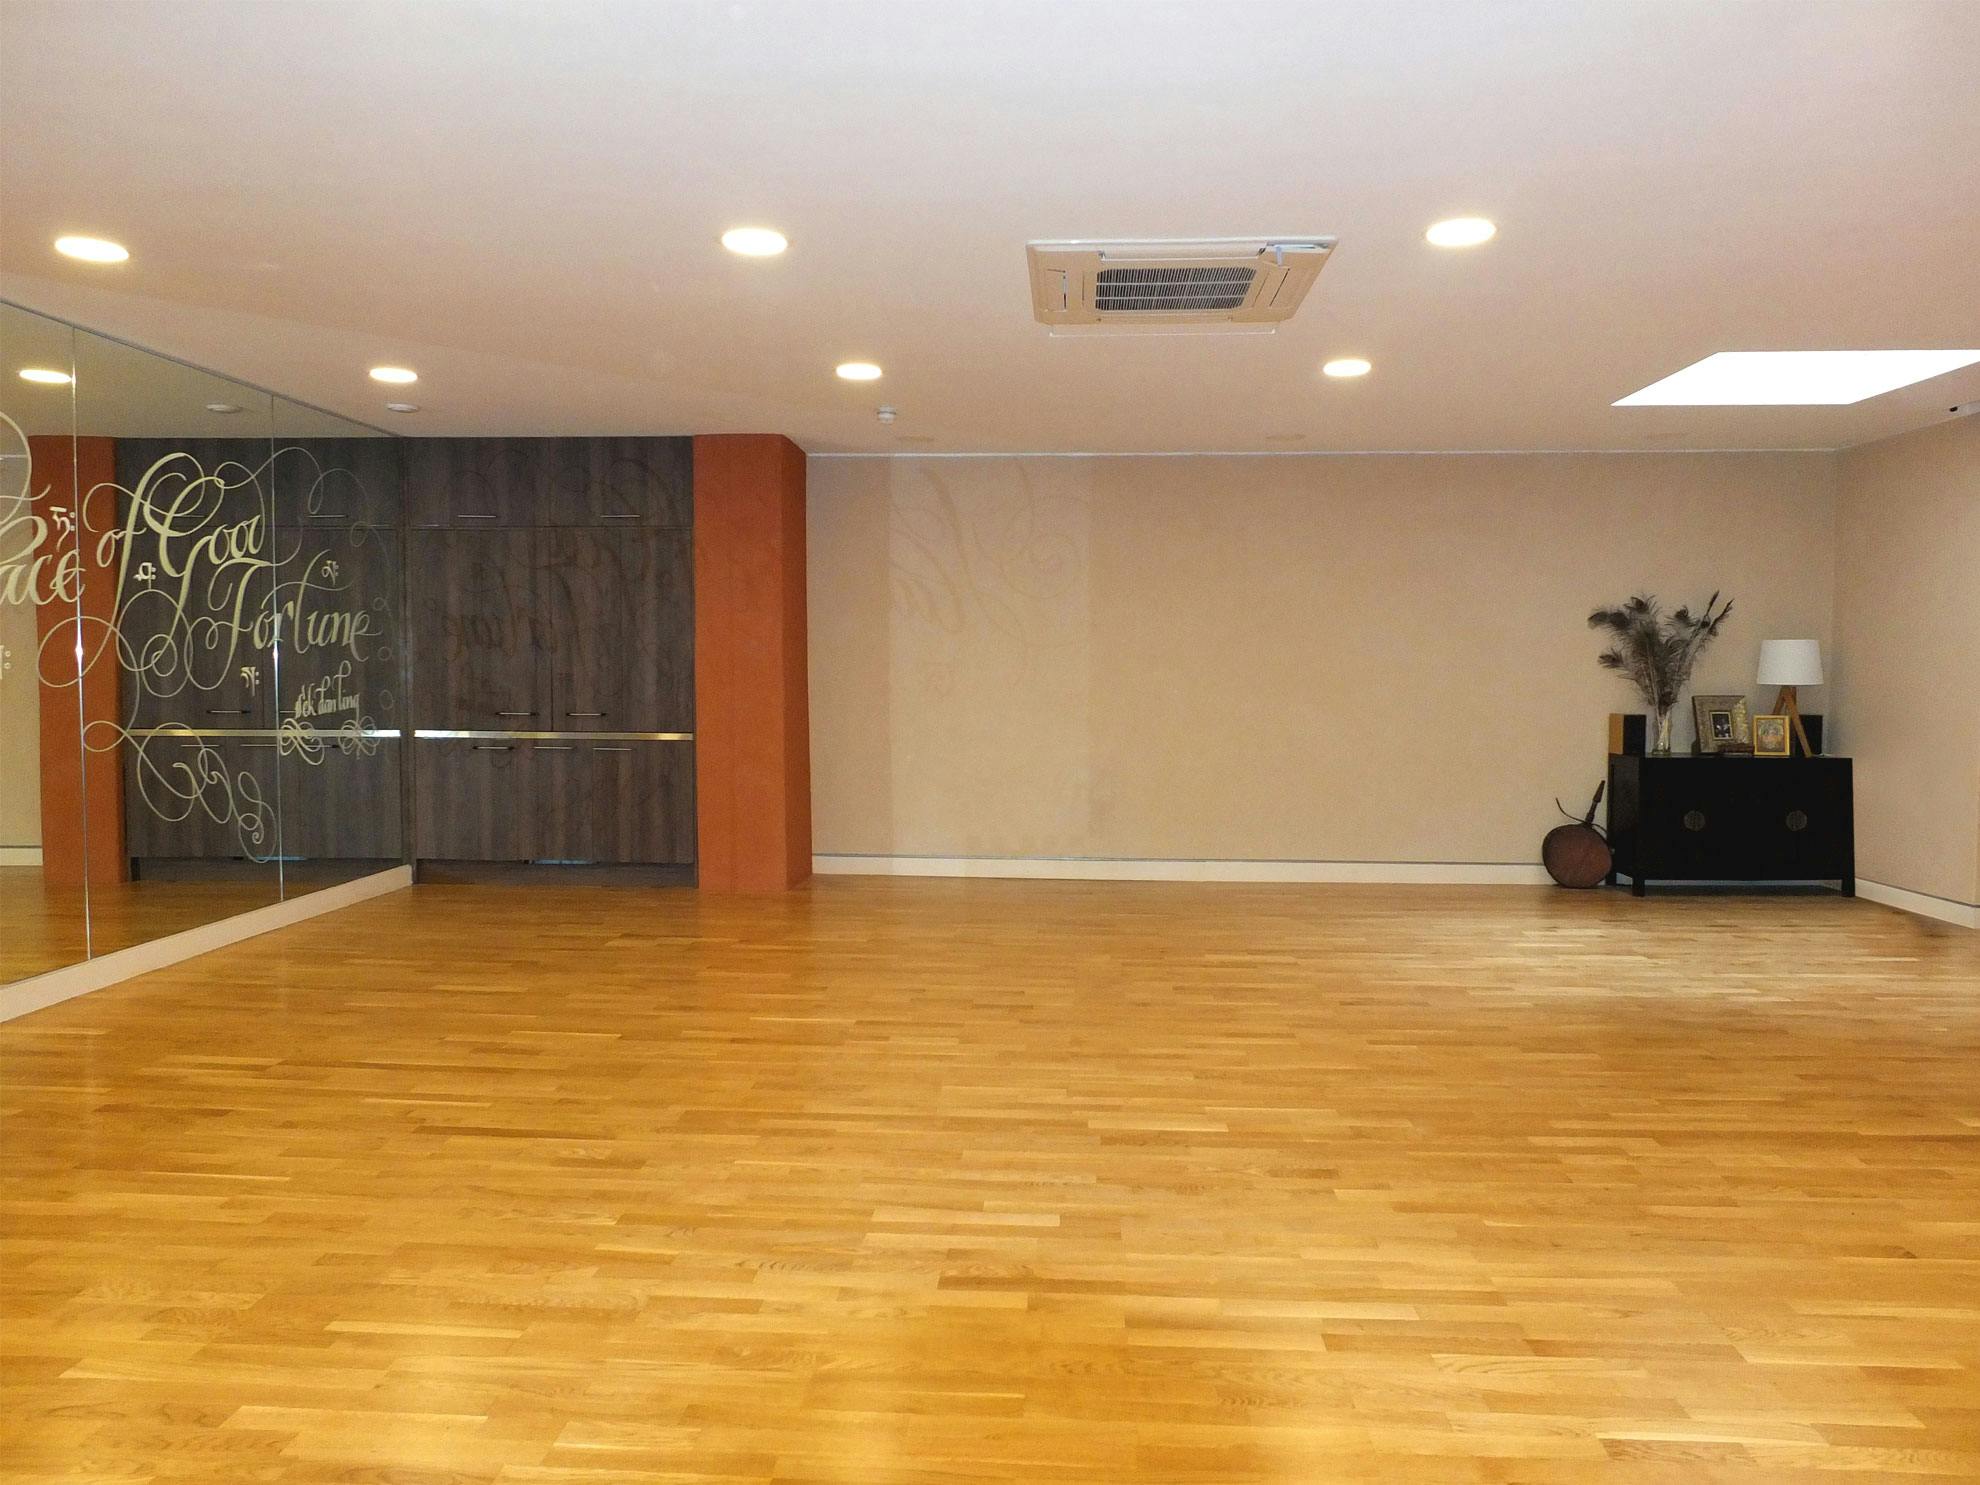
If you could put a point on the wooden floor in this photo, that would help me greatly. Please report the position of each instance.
(44, 926)
(889, 1182)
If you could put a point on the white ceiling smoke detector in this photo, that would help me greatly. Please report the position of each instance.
(1203, 283)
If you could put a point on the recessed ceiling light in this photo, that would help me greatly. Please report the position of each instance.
(1460, 232)
(1794, 378)
(222, 407)
(92, 249)
(397, 376)
(402, 407)
(1347, 366)
(755, 242)
(45, 377)
(859, 371)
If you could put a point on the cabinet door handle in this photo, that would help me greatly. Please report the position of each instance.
(627, 516)
(476, 515)
(552, 748)
(599, 749)
(515, 714)
(325, 515)
(494, 747)
(587, 714)
(1797, 820)
(1694, 820)
(226, 711)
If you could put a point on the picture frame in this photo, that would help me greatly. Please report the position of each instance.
(1723, 723)
(1772, 737)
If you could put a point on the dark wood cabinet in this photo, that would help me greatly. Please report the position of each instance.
(344, 801)
(614, 803)
(194, 618)
(551, 592)
(207, 798)
(622, 482)
(479, 481)
(617, 618)
(473, 800)
(1733, 819)
(340, 482)
(478, 660)
(337, 596)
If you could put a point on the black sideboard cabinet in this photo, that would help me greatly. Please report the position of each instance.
(1704, 818)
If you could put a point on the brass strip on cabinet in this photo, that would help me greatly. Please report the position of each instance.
(558, 736)
(323, 736)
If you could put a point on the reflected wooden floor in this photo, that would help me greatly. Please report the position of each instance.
(42, 926)
(900, 1183)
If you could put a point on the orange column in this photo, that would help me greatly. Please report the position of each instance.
(82, 793)
(751, 700)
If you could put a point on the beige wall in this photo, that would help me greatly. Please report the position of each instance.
(20, 729)
(1361, 658)
(1907, 656)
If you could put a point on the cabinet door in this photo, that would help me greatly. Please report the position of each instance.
(616, 803)
(618, 610)
(194, 619)
(474, 801)
(341, 482)
(1690, 826)
(476, 481)
(208, 798)
(337, 602)
(1797, 818)
(621, 481)
(477, 664)
(342, 803)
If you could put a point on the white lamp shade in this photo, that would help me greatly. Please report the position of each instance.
(1790, 662)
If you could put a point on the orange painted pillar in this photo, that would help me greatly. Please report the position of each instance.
(752, 703)
(82, 793)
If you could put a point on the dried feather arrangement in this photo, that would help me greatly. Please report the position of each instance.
(1657, 651)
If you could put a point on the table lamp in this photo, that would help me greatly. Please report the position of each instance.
(1789, 663)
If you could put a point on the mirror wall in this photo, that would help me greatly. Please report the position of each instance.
(202, 679)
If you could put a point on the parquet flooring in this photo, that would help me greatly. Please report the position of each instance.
(898, 1183)
(44, 926)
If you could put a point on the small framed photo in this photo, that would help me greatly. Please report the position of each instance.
(1770, 736)
(1723, 724)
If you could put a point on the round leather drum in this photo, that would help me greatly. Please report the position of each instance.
(1575, 855)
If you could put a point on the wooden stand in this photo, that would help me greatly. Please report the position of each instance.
(1787, 704)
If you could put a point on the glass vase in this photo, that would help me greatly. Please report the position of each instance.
(1662, 746)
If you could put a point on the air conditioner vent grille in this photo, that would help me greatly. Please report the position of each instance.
(1153, 290)
(1163, 286)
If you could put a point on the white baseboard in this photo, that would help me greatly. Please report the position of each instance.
(1965, 914)
(20, 855)
(1126, 869)
(58, 985)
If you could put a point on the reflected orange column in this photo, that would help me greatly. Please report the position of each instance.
(82, 795)
(751, 699)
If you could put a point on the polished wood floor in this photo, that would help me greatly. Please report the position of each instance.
(899, 1183)
(44, 926)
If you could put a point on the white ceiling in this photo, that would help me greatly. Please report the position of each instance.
(522, 201)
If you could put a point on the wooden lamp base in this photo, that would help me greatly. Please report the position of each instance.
(1787, 704)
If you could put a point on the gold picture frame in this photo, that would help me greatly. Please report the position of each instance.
(1772, 737)
(1723, 723)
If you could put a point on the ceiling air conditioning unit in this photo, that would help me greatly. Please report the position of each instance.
(1214, 282)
